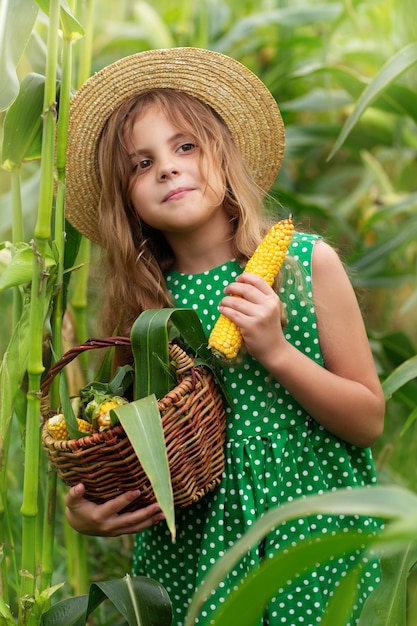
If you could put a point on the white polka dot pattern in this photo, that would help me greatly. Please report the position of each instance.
(275, 452)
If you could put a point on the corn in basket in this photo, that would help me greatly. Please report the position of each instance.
(193, 423)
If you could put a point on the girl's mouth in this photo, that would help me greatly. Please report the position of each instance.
(175, 194)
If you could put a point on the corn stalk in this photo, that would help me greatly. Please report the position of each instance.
(39, 304)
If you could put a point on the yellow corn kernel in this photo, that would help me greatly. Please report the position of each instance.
(225, 338)
(103, 418)
(57, 426)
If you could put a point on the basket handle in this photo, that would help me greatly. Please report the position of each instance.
(72, 353)
(150, 347)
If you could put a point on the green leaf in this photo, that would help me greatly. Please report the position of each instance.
(393, 68)
(23, 123)
(69, 415)
(149, 339)
(340, 605)
(12, 369)
(386, 502)
(388, 603)
(71, 27)
(287, 17)
(19, 270)
(409, 421)
(150, 20)
(400, 376)
(141, 421)
(263, 583)
(141, 601)
(5, 614)
(69, 612)
(17, 19)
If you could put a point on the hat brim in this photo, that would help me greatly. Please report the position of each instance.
(239, 97)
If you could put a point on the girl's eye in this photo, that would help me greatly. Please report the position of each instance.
(186, 147)
(141, 165)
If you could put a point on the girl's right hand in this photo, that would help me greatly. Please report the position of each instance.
(105, 520)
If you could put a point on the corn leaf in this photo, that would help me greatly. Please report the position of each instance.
(157, 31)
(5, 614)
(17, 18)
(287, 17)
(69, 612)
(12, 370)
(71, 28)
(339, 607)
(141, 601)
(141, 421)
(393, 68)
(403, 374)
(388, 603)
(386, 502)
(69, 415)
(263, 583)
(149, 339)
(23, 123)
(19, 270)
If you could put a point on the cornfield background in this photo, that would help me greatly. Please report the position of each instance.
(350, 173)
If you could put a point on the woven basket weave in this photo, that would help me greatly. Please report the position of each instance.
(193, 422)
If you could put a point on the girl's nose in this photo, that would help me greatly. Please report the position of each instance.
(168, 173)
(167, 168)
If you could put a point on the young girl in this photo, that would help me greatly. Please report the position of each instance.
(170, 155)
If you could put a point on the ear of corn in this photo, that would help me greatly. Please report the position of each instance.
(226, 339)
(103, 419)
(57, 426)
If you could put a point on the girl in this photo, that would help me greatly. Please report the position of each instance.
(170, 154)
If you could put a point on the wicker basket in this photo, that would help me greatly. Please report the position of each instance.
(193, 421)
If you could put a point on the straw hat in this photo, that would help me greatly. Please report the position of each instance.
(238, 96)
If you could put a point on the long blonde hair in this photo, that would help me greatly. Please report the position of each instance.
(138, 255)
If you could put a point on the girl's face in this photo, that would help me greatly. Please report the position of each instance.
(169, 191)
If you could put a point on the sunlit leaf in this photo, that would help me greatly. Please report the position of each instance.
(141, 421)
(384, 502)
(13, 368)
(393, 68)
(388, 603)
(19, 270)
(289, 17)
(263, 583)
(17, 18)
(400, 376)
(71, 27)
(5, 614)
(23, 123)
(150, 20)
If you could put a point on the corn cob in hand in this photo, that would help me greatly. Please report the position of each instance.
(226, 339)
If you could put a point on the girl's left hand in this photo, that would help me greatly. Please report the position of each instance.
(257, 312)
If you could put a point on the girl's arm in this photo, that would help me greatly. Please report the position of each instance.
(345, 396)
(105, 520)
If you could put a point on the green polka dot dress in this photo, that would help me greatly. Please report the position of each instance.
(275, 452)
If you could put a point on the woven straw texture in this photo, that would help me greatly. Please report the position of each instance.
(238, 96)
(193, 422)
